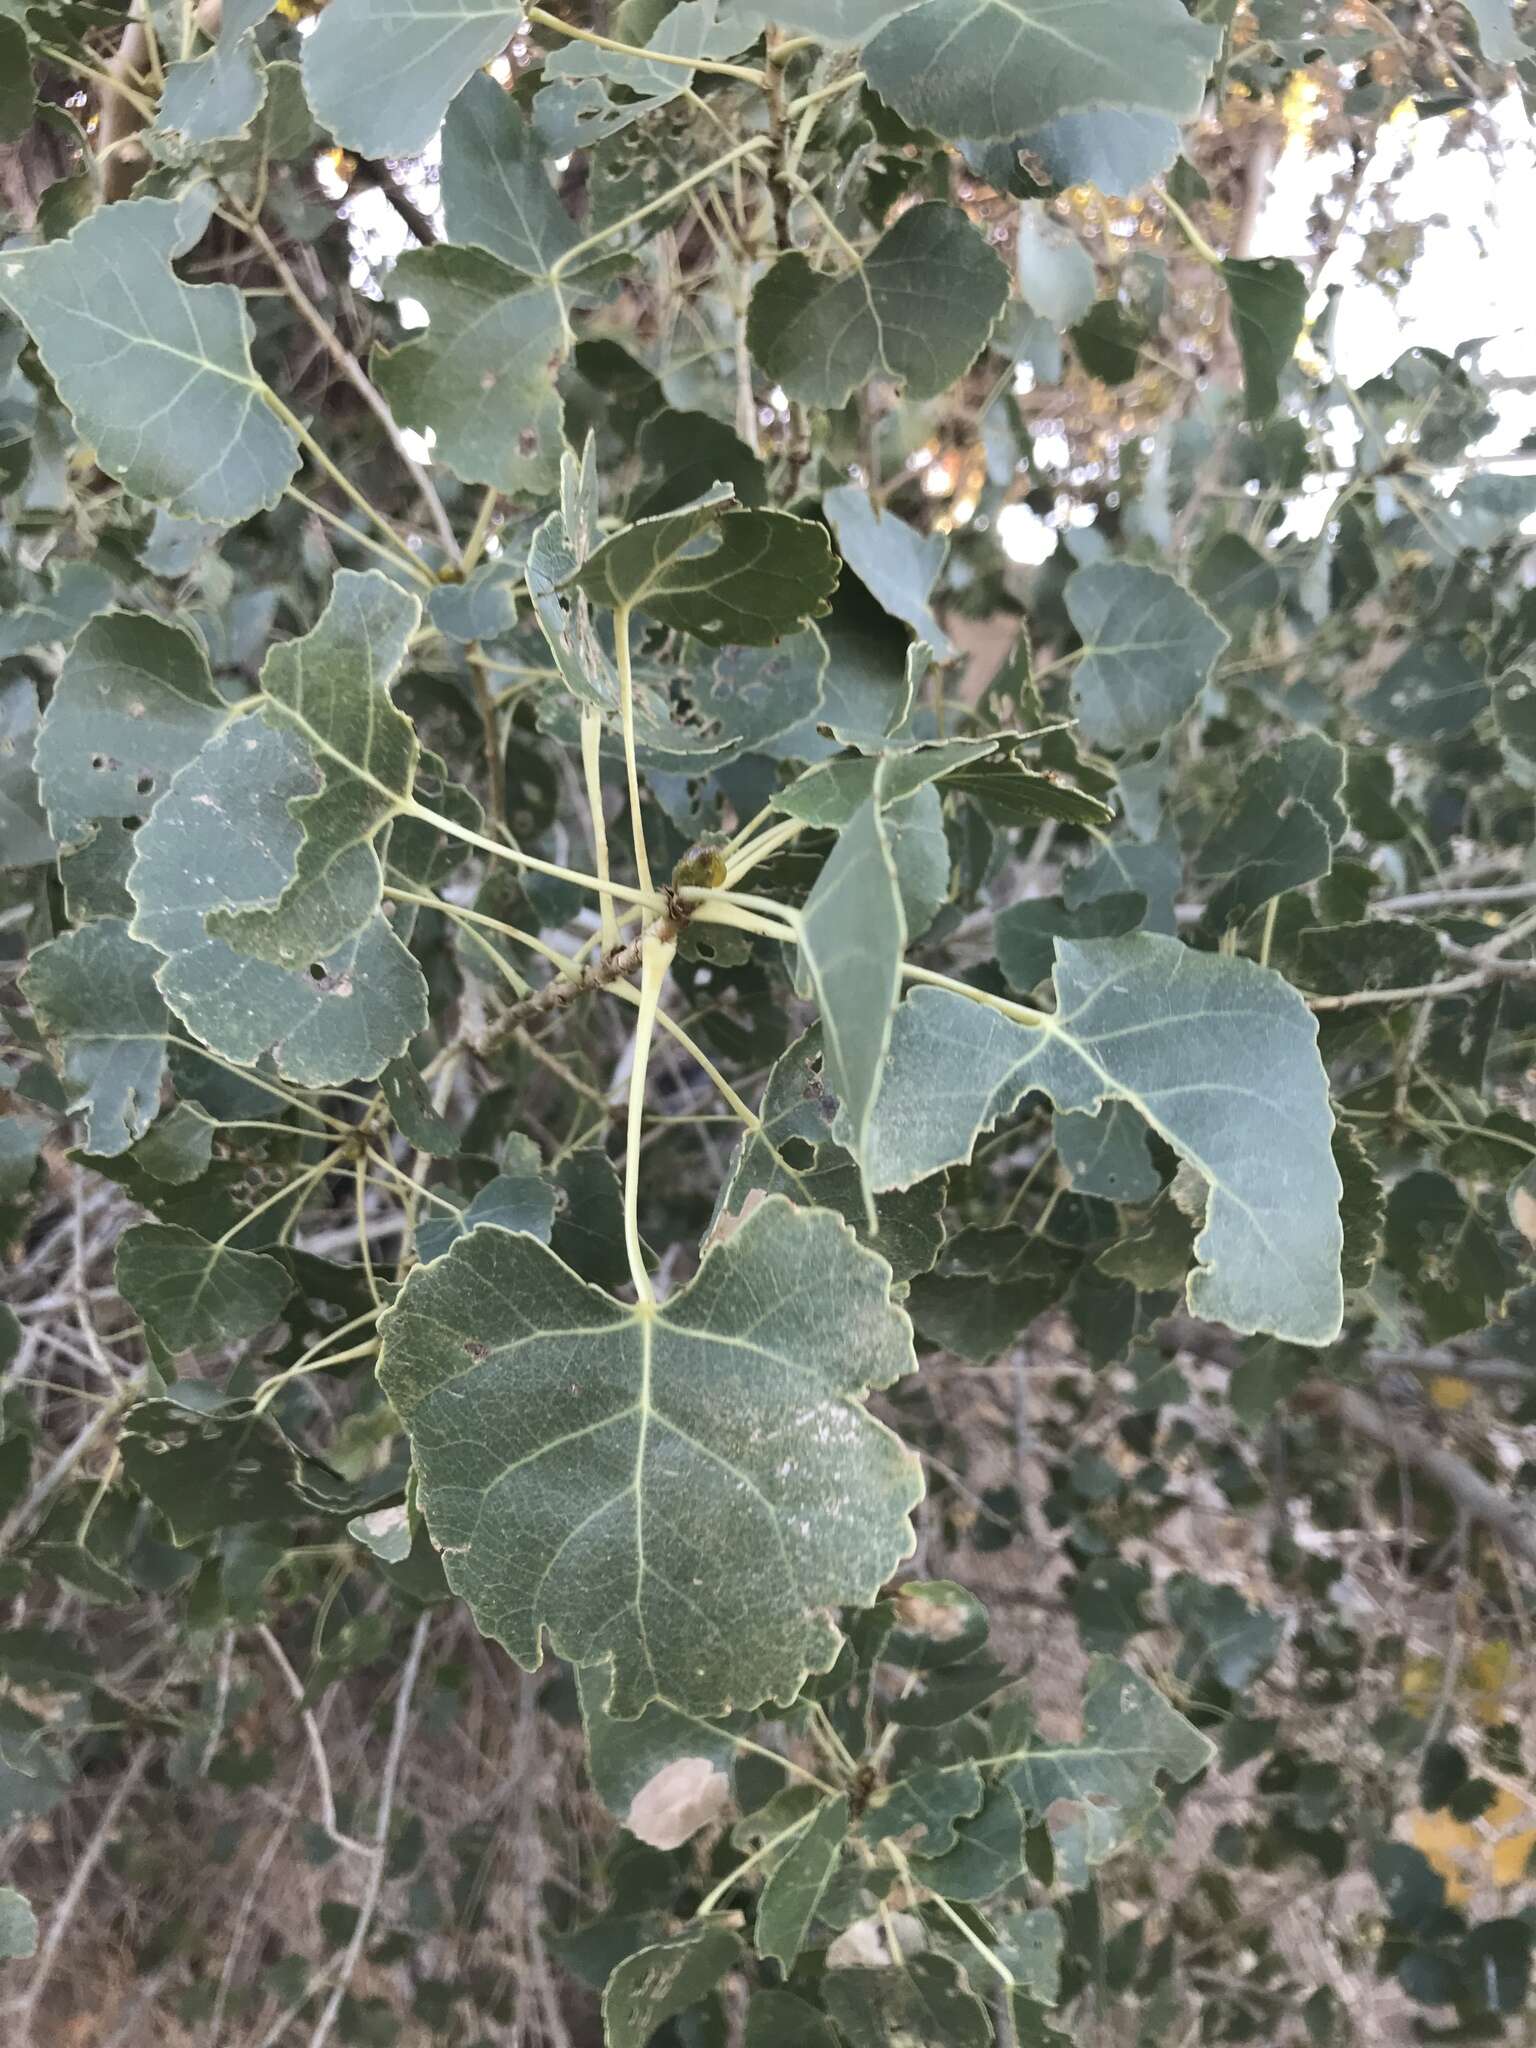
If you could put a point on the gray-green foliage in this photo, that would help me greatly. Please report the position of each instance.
(720, 1429)
(575, 1053)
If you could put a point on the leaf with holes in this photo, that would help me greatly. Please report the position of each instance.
(715, 571)
(330, 690)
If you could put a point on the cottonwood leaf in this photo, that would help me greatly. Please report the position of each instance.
(1001, 67)
(1130, 1735)
(575, 108)
(495, 184)
(25, 839)
(1514, 715)
(830, 794)
(1149, 648)
(793, 1155)
(1269, 304)
(897, 565)
(214, 97)
(93, 995)
(416, 1116)
(1106, 1153)
(18, 108)
(793, 1894)
(655, 1983)
(924, 1802)
(1219, 1055)
(1433, 691)
(134, 703)
(918, 308)
(1056, 276)
(156, 373)
(192, 1295)
(692, 450)
(1496, 32)
(18, 1926)
(224, 837)
(331, 690)
(380, 73)
(1029, 1945)
(557, 551)
(682, 1490)
(830, 21)
(722, 574)
(664, 1774)
(853, 932)
(1279, 830)
(517, 1198)
(482, 376)
(225, 1466)
(926, 1999)
(1119, 149)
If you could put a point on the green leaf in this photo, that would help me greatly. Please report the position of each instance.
(1514, 714)
(1279, 830)
(1269, 304)
(1218, 1055)
(331, 690)
(927, 1801)
(793, 1155)
(193, 1295)
(18, 1926)
(721, 574)
(655, 1983)
(495, 184)
(557, 551)
(777, 2019)
(897, 565)
(918, 308)
(93, 995)
(793, 1894)
(25, 840)
(1149, 648)
(1433, 691)
(692, 450)
(685, 1490)
(18, 106)
(1106, 1153)
(1057, 279)
(852, 936)
(1119, 149)
(215, 97)
(830, 795)
(664, 1774)
(518, 1199)
(926, 2000)
(482, 376)
(134, 703)
(225, 1468)
(1130, 1735)
(1496, 33)
(380, 73)
(1029, 1945)
(1001, 67)
(575, 108)
(222, 837)
(157, 373)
